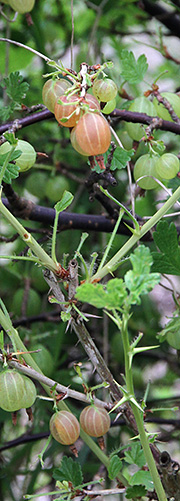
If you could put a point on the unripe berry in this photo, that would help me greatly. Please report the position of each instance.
(16, 391)
(64, 427)
(95, 421)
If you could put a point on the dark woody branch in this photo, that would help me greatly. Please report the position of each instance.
(125, 115)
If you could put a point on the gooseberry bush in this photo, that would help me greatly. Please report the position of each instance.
(90, 260)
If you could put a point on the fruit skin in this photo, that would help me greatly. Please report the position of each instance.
(142, 105)
(33, 303)
(105, 89)
(27, 158)
(167, 166)
(64, 427)
(109, 107)
(55, 188)
(92, 135)
(162, 112)
(61, 111)
(22, 6)
(53, 90)
(146, 165)
(95, 421)
(36, 183)
(16, 391)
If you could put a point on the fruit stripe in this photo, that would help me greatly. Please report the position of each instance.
(93, 134)
(65, 429)
(95, 422)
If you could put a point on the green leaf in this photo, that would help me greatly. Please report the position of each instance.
(135, 492)
(166, 239)
(142, 477)
(120, 158)
(171, 332)
(140, 281)
(131, 70)
(16, 89)
(65, 316)
(135, 455)
(12, 170)
(65, 201)
(110, 296)
(69, 470)
(114, 467)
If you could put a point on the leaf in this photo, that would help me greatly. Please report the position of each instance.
(131, 70)
(142, 477)
(70, 471)
(172, 328)
(12, 170)
(120, 158)
(166, 239)
(140, 281)
(114, 467)
(135, 455)
(135, 492)
(16, 89)
(65, 201)
(110, 296)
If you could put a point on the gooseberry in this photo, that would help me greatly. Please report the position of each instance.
(105, 89)
(146, 166)
(162, 112)
(95, 421)
(36, 183)
(62, 111)
(43, 359)
(16, 391)
(27, 158)
(64, 427)
(55, 188)
(92, 135)
(109, 107)
(142, 105)
(22, 6)
(52, 90)
(167, 166)
(33, 302)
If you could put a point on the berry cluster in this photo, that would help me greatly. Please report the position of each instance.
(164, 167)
(90, 133)
(65, 428)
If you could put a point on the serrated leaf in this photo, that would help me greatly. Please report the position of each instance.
(65, 316)
(70, 471)
(172, 327)
(131, 70)
(135, 492)
(11, 172)
(114, 467)
(65, 201)
(16, 89)
(166, 239)
(110, 296)
(139, 280)
(142, 477)
(6, 111)
(135, 455)
(120, 158)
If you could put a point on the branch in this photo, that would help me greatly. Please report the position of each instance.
(68, 393)
(72, 221)
(128, 116)
(170, 19)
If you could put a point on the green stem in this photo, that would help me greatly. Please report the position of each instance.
(113, 263)
(138, 415)
(19, 345)
(121, 213)
(148, 455)
(45, 260)
(6, 163)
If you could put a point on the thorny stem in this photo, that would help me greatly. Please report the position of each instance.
(19, 345)
(137, 413)
(137, 235)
